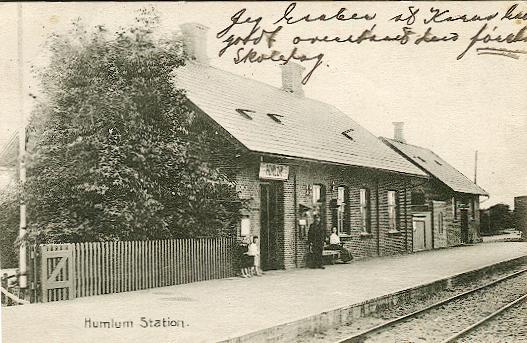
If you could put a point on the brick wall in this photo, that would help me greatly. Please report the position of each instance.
(292, 246)
(435, 190)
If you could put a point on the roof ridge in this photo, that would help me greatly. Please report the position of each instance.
(415, 145)
(439, 157)
(466, 177)
(257, 81)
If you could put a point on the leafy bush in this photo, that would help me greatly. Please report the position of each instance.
(112, 149)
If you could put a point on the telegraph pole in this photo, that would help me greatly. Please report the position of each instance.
(22, 265)
(476, 167)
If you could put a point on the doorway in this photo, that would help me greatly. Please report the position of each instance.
(422, 231)
(464, 226)
(271, 223)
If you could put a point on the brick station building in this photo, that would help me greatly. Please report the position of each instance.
(288, 153)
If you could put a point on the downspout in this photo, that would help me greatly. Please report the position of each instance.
(377, 215)
(433, 225)
(406, 215)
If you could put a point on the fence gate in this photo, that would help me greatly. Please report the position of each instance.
(56, 277)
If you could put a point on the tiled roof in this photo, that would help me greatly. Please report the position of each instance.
(437, 167)
(283, 123)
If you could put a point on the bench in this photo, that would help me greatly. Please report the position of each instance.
(332, 255)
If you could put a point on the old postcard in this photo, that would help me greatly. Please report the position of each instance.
(263, 171)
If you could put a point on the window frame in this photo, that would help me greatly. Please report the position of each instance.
(365, 209)
(320, 203)
(342, 211)
(392, 199)
(440, 223)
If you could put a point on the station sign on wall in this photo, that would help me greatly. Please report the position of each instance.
(272, 171)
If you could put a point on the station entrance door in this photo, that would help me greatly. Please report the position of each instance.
(271, 223)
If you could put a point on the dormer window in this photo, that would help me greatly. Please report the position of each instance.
(347, 134)
(275, 117)
(245, 113)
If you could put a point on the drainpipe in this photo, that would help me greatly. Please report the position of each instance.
(377, 215)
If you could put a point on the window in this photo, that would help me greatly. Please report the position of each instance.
(418, 198)
(440, 224)
(341, 211)
(365, 210)
(472, 208)
(319, 201)
(316, 193)
(393, 209)
(454, 210)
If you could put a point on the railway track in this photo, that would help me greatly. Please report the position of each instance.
(371, 333)
(472, 327)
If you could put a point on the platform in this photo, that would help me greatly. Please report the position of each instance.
(255, 309)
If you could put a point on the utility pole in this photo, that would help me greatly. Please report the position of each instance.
(22, 265)
(476, 167)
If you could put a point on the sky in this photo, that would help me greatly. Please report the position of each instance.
(451, 106)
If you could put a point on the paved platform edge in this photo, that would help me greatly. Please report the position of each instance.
(288, 332)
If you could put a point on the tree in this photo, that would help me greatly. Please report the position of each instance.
(113, 152)
(500, 218)
(9, 226)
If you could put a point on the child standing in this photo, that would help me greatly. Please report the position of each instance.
(246, 261)
(254, 251)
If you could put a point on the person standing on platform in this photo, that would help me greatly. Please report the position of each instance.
(316, 238)
(254, 251)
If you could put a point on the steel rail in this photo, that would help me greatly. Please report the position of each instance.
(487, 318)
(359, 337)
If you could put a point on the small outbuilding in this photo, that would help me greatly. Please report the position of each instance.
(445, 208)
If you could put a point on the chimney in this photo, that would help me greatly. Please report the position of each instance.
(398, 131)
(292, 78)
(195, 39)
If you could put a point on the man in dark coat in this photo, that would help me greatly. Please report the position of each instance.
(316, 238)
